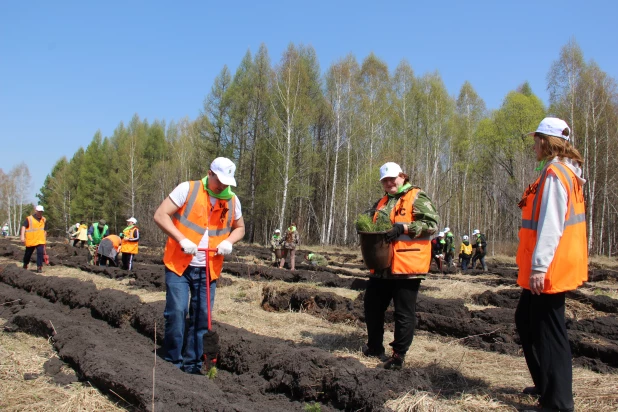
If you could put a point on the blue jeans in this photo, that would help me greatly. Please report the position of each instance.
(186, 354)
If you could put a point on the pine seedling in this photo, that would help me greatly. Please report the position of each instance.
(212, 373)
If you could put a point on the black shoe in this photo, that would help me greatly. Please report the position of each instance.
(530, 390)
(374, 354)
(25, 266)
(395, 362)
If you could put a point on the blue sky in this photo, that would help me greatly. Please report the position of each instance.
(68, 69)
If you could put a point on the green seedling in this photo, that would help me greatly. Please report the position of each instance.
(313, 407)
(212, 373)
(364, 223)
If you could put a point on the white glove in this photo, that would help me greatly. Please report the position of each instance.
(188, 247)
(224, 248)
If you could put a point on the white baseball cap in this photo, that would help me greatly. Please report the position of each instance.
(224, 168)
(476, 232)
(552, 126)
(441, 234)
(77, 224)
(465, 237)
(132, 220)
(39, 208)
(390, 169)
(447, 229)
(277, 231)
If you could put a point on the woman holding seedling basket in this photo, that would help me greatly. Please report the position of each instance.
(414, 220)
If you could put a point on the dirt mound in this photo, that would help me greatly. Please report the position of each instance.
(255, 371)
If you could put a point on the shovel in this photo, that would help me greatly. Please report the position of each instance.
(45, 255)
(210, 339)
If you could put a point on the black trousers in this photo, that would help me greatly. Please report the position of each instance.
(104, 260)
(127, 260)
(542, 330)
(40, 251)
(378, 295)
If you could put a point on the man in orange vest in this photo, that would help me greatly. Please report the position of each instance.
(552, 259)
(33, 235)
(198, 214)
(130, 242)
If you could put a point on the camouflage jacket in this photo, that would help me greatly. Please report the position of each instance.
(292, 239)
(426, 221)
(275, 242)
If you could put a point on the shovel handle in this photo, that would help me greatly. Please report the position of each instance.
(206, 250)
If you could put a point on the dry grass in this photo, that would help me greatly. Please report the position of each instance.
(503, 376)
(21, 353)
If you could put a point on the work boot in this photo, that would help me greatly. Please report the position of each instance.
(374, 354)
(395, 362)
(39, 269)
(484, 268)
(25, 266)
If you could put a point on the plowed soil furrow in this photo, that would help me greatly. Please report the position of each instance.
(120, 359)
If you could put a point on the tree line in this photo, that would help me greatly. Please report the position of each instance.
(308, 146)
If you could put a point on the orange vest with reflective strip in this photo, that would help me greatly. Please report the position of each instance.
(569, 268)
(35, 232)
(129, 246)
(114, 239)
(410, 255)
(193, 218)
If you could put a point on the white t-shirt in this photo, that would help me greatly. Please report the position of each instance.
(178, 196)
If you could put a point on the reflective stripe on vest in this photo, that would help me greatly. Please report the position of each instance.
(569, 267)
(410, 255)
(192, 219)
(35, 233)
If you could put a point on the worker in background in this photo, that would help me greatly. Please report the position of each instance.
(449, 247)
(438, 245)
(130, 241)
(315, 259)
(96, 233)
(108, 250)
(276, 242)
(5, 230)
(33, 236)
(480, 249)
(292, 240)
(465, 253)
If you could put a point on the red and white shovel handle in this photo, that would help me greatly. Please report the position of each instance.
(206, 250)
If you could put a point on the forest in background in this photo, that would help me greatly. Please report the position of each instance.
(308, 145)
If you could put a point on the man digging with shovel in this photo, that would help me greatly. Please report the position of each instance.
(206, 215)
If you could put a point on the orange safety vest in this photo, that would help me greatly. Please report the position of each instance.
(193, 219)
(569, 268)
(115, 240)
(129, 246)
(410, 255)
(35, 233)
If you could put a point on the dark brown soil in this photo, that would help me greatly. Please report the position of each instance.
(108, 337)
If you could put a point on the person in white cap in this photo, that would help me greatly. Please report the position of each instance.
(552, 259)
(465, 252)
(34, 236)
(414, 220)
(449, 247)
(196, 215)
(276, 242)
(130, 243)
(5, 229)
(480, 249)
(79, 234)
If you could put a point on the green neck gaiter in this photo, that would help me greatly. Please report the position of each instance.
(401, 189)
(541, 165)
(226, 194)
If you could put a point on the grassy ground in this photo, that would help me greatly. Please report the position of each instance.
(239, 305)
